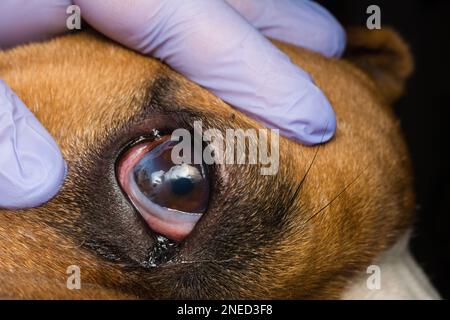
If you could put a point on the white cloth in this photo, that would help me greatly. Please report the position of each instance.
(401, 278)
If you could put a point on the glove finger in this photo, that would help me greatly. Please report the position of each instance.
(210, 43)
(23, 21)
(303, 23)
(32, 168)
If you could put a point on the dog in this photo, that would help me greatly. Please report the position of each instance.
(312, 231)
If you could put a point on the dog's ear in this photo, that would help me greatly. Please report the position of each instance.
(384, 55)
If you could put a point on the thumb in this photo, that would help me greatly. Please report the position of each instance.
(32, 168)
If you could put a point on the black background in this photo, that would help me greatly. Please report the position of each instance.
(169, 309)
(424, 113)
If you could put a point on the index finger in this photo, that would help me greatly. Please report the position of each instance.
(211, 44)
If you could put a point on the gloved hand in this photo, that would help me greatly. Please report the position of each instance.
(220, 44)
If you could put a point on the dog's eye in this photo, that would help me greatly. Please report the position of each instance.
(171, 198)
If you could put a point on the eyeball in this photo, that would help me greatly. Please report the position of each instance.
(170, 197)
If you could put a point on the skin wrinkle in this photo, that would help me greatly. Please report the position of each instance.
(255, 241)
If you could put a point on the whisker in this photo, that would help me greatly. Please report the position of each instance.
(337, 196)
(300, 185)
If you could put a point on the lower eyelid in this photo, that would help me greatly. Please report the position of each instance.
(171, 223)
(166, 214)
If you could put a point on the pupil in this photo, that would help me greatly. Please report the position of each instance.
(182, 186)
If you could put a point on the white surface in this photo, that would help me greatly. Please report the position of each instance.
(401, 278)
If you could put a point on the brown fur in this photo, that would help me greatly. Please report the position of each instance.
(300, 234)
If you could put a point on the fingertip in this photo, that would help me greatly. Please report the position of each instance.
(308, 119)
(302, 23)
(28, 192)
(330, 32)
(336, 38)
(32, 168)
(317, 130)
(314, 120)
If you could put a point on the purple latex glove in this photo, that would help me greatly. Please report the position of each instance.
(218, 44)
(32, 168)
